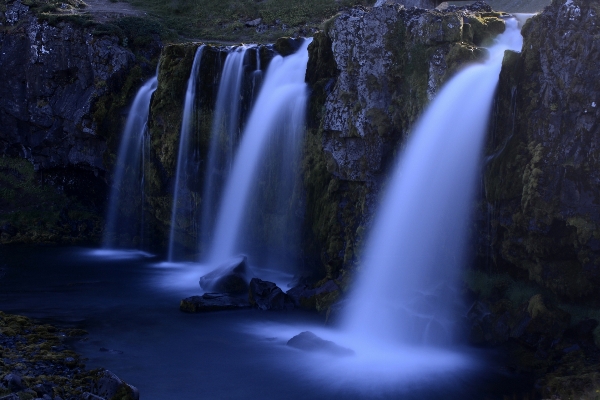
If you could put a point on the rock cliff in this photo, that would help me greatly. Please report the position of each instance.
(59, 78)
(538, 264)
(372, 73)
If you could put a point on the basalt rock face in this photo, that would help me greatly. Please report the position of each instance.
(538, 227)
(372, 73)
(58, 80)
(541, 179)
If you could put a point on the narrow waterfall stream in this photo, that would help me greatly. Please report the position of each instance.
(224, 136)
(127, 192)
(183, 156)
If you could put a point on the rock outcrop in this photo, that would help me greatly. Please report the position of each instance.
(60, 79)
(543, 157)
(372, 73)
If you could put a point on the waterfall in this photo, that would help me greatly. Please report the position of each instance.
(181, 175)
(404, 290)
(224, 135)
(126, 197)
(278, 110)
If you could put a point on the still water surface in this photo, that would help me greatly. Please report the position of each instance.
(129, 304)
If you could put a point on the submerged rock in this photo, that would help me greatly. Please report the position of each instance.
(308, 341)
(212, 302)
(230, 277)
(268, 296)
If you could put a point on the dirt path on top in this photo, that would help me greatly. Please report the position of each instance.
(105, 10)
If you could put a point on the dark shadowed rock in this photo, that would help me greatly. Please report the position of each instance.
(212, 302)
(308, 341)
(268, 296)
(230, 277)
(109, 386)
(13, 382)
(286, 45)
(319, 298)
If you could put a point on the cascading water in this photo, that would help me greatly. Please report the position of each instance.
(183, 156)
(279, 110)
(403, 293)
(126, 198)
(224, 135)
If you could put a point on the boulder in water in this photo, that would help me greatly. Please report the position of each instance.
(212, 302)
(268, 296)
(308, 341)
(230, 277)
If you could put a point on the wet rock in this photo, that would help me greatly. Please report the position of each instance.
(308, 341)
(110, 386)
(542, 203)
(13, 382)
(268, 296)
(90, 396)
(319, 298)
(212, 302)
(42, 389)
(286, 45)
(230, 277)
(335, 312)
(9, 229)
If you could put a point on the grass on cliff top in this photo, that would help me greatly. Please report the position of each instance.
(225, 20)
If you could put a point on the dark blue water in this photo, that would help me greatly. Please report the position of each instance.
(130, 307)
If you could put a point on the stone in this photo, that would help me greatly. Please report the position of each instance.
(409, 3)
(286, 45)
(319, 298)
(13, 382)
(268, 296)
(109, 385)
(90, 396)
(254, 22)
(212, 302)
(9, 229)
(308, 341)
(230, 277)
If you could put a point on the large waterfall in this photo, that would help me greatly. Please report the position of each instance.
(125, 207)
(181, 175)
(404, 291)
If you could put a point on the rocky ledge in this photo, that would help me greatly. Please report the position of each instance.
(37, 364)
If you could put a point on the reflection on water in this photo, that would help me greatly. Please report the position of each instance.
(130, 307)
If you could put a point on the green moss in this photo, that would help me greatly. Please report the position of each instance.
(225, 20)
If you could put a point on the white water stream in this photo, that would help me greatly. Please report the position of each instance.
(404, 293)
(128, 168)
(184, 143)
(280, 103)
